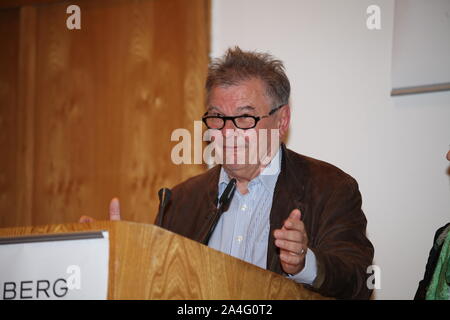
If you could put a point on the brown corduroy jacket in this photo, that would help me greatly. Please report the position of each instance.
(330, 203)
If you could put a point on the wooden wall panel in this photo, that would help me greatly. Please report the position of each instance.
(9, 146)
(25, 115)
(106, 100)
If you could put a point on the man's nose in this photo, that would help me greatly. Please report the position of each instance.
(228, 129)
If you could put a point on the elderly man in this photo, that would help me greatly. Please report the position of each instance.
(294, 215)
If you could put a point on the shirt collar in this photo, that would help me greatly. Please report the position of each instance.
(269, 175)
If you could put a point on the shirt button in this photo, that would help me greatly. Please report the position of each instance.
(244, 207)
(239, 239)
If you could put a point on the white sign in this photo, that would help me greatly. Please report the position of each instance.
(63, 266)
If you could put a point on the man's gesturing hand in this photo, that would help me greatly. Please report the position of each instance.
(114, 212)
(293, 243)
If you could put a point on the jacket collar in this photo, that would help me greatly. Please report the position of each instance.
(288, 195)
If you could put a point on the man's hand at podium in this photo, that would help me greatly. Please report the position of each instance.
(114, 212)
(293, 243)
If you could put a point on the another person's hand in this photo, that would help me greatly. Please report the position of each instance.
(293, 243)
(114, 212)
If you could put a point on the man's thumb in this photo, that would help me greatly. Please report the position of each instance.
(296, 214)
(114, 210)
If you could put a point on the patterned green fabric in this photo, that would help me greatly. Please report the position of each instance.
(439, 288)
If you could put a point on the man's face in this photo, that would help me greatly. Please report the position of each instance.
(248, 97)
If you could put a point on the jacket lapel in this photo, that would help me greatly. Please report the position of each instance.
(209, 209)
(288, 195)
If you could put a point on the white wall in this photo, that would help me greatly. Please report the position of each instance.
(342, 113)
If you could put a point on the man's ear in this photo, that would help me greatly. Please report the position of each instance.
(284, 120)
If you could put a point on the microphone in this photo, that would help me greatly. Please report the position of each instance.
(224, 202)
(164, 197)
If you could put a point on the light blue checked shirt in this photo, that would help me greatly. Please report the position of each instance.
(243, 230)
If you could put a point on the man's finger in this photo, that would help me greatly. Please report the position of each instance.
(295, 214)
(86, 219)
(291, 235)
(290, 258)
(114, 210)
(294, 222)
(290, 246)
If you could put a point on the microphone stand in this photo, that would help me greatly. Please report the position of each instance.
(224, 202)
(164, 197)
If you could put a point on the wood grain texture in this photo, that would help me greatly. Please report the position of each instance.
(20, 3)
(97, 106)
(147, 262)
(9, 142)
(26, 113)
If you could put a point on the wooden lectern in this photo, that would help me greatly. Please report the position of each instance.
(148, 262)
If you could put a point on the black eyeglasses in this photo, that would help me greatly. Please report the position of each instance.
(244, 121)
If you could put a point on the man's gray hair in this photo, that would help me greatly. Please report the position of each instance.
(236, 66)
